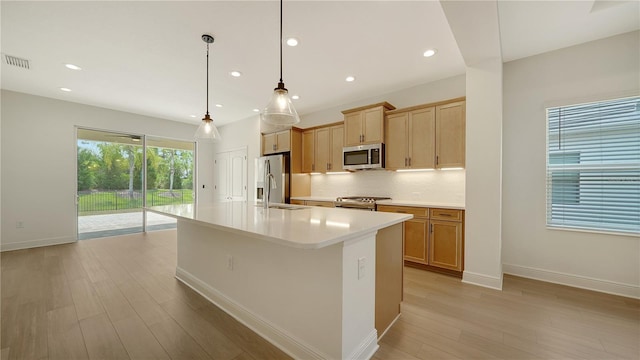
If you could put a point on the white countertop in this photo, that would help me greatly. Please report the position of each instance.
(419, 203)
(314, 198)
(307, 227)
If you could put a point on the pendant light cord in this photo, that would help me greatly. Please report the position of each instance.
(280, 40)
(207, 78)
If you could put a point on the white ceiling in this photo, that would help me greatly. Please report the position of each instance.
(147, 57)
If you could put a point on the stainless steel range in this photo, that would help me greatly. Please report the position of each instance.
(359, 202)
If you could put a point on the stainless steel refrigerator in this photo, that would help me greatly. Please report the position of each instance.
(273, 170)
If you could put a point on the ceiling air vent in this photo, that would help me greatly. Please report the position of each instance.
(16, 61)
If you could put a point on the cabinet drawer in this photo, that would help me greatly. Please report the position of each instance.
(415, 211)
(446, 214)
(320, 203)
(297, 202)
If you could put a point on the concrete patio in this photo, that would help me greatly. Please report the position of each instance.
(97, 226)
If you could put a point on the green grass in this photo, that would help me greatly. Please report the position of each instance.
(118, 201)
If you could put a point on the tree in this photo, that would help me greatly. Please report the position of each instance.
(88, 163)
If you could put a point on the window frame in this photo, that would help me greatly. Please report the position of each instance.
(581, 171)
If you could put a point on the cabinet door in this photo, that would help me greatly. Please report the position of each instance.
(396, 143)
(422, 126)
(352, 129)
(337, 143)
(308, 151)
(283, 141)
(450, 135)
(268, 144)
(415, 240)
(373, 125)
(323, 146)
(319, 203)
(445, 245)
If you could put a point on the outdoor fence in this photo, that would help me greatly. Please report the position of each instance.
(112, 201)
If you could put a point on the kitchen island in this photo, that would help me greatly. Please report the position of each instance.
(304, 278)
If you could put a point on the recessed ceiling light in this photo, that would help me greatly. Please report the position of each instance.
(292, 41)
(72, 67)
(430, 52)
(256, 110)
(65, 89)
(350, 79)
(295, 97)
(235, 73)
(192, 116)
(218, 105)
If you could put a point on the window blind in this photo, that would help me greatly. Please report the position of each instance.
(593, 166)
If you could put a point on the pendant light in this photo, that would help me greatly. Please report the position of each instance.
(280, 110)
(207, 131)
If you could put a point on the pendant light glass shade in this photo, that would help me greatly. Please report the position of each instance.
(280, 111)
(207, 131)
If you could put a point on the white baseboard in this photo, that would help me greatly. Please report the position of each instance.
(367, 348)
(583, 282)
(284, 341)
(482, 280)
(36, 243)
(389, 327)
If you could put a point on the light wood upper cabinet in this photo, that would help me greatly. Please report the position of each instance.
(337, 143)
(322, 149)
(426, 136)
(365, 125)
(276, 142)
(450, 135)
(410, 139)
(308, 151)
(396, 147)
(422, 126)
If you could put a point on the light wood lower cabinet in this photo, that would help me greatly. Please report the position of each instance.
(434, 238)
(415, 240)
(313, 203)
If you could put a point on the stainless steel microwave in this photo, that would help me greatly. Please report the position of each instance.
(363, 157)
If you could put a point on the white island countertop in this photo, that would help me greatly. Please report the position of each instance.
(303, 227)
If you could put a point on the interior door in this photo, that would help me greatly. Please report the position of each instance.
(230, 175)
(238, 175)
(221, 175)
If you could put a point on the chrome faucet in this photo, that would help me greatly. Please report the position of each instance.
(269, 183)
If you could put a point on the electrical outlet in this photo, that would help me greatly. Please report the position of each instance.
(229, 262)
(19, 225)
(361, 267)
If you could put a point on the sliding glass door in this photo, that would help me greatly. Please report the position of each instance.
(109, 182)
(112, 171)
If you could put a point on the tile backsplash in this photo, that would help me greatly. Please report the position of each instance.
(438, 186)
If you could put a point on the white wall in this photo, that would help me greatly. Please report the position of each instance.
(587, 72)
(242, 134)
(483, 238)
(39, 162)
(434, 187)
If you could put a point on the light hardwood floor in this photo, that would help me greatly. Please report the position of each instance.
(117, 298)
